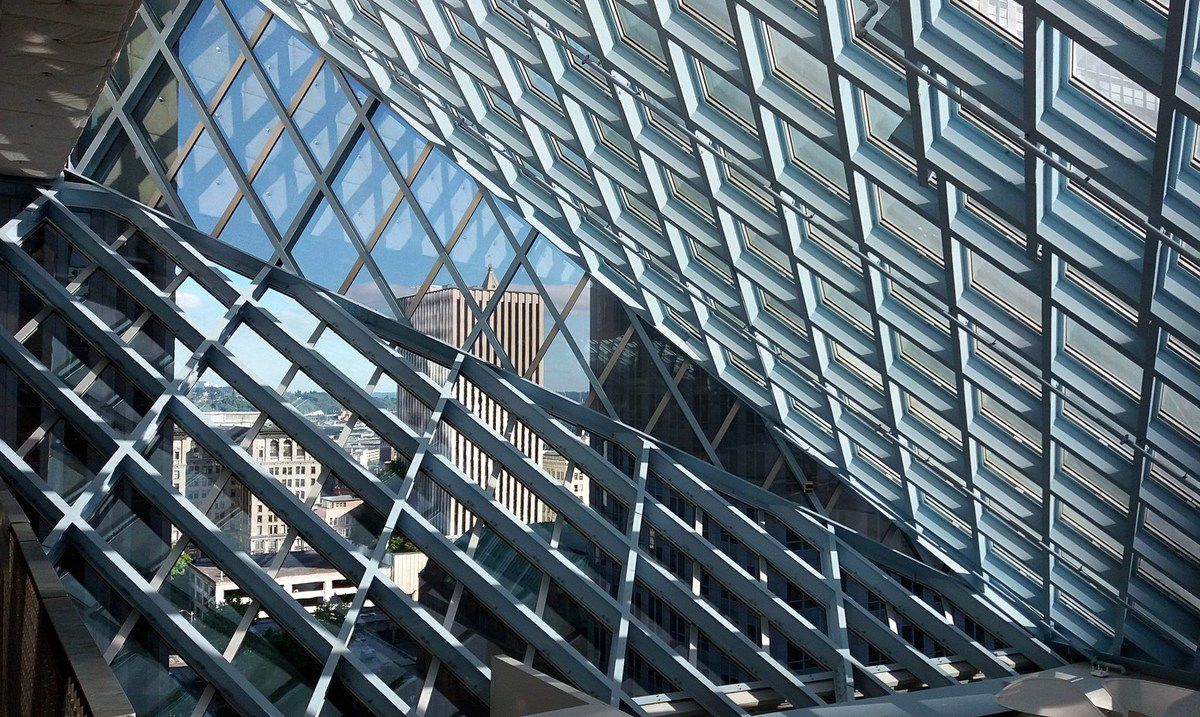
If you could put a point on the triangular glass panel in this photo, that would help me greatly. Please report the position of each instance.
(404, 253)
(324, 252)
(244, 232)
(134, 527)
(166, 684)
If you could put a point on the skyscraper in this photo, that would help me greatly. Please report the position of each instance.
(514, 321)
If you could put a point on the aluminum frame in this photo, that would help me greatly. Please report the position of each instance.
(715, 522)
(917, 238)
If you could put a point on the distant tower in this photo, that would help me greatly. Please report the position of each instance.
(516, 321)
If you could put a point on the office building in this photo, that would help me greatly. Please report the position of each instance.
(514, 331)
(252, 524)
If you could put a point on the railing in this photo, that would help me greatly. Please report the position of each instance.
(49, 664)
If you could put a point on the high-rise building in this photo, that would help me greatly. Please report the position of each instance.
(512, 338)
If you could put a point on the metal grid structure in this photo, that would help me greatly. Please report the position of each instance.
(948, 248)
(675, 581)
(335, 185)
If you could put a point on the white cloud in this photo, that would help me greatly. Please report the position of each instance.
(187, 300)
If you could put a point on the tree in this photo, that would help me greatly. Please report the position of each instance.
(181, 565)
(400, 544)
(331, 612)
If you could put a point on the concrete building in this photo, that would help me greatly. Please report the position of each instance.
(516, 321)
(304, 575)
(247, 520)
(556, 466)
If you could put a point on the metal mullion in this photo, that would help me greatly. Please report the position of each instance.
(368, 344)
(443, 401)
(170, 624)
(177, 550)
(558, 320)
(481, 505)
(1037, 58)
(160, 575)
(170, 33)
(885, 346)
(881, 631)
(620, 636)
(952, 586)
(415, 466)
(132, 588)
(132, 281)
(727, 572)
(916, 663)
(486, 589)
(159, 232)
(875, 428)
(149, 157)
(416, 299)
(721, 157)
(190, 521)
(423, 219)
(803, 521)
(150, 432)
(544, 583)
(738, 486)
(726, 423)
(72, 288)
(360, 676)
(531, 547)
(758, 598)
(284, 115)
(484, 314)
(328, 377)
(747, 531)
(925, 617)
(369, 576)
(861, 217)
(1154, 257)
(198, 129)
(844, 424)
(612, 360)
(289, 421)
(430, 275)
(672, 385)
(104, 136)
(223, 149)
(131, 364)
(835, 616)
(318, 191)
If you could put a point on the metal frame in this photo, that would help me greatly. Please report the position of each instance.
(756, 526)
(932, 179)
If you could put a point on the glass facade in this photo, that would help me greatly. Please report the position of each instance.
(719, 358)
(248, 559)
(947, 251)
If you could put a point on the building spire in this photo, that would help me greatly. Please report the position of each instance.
(489, 281)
